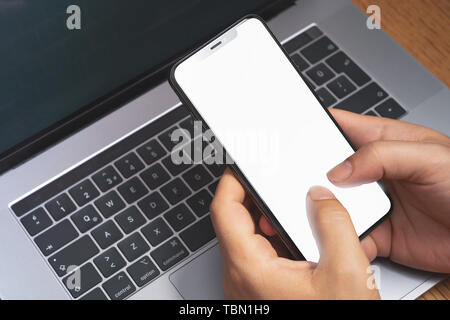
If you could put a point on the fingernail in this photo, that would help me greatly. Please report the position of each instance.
(320, 193)
(341, 172)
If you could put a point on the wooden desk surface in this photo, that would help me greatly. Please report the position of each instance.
(422, 27)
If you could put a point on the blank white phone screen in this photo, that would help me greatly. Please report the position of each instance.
(273, 127)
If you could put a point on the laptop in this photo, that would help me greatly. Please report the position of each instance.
(91, 207)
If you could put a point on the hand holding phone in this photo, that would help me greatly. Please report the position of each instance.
(242, 84)
(255, 267)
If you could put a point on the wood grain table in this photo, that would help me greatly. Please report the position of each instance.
(422, 27)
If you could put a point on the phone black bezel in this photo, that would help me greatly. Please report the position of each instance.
(238, 173)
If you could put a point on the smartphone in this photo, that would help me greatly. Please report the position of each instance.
(243, 86)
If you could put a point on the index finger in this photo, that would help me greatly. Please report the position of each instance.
(364, 129)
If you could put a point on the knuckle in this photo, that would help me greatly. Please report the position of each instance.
(214, 206)
(373, 148)
(432, 136)
(442, 150)
(333, 213)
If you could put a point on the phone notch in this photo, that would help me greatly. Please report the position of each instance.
(218, 43)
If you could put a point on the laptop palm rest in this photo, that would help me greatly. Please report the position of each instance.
(201, 278)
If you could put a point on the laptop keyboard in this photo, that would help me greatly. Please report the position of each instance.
(338, 81)
(125, 216)
(129, 214)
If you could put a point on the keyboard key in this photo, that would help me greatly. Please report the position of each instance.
(155, 176)
(300, 62)
(216, 169)
(107, 234)
(200, 149)
(325, 97)
(74, 254)
(109, 204)
(197, 177)
(151, 152)
(86, 218)
(109, 262)
(82, 280)
(119, 286)
(341, 87)
(302, 39)
(193, 127)
(156, 232)
(130, 219)
(56, 237)
(107, 178)
(213, 152)
(197, 150)
(166, 138)
(320, 74)
(132, 190)
(169, 254)
(36, 221)
(364, 99)
(153, 205)
(143, 271)
(319, 50)
(175, 191)
(60, 207)
(177, 168)
(179, 217)
(133, 247)
(341, 63)
(84, 192)
(370, 113)
(200, 202)
(96, 294)
(198, 234)
(213, 186)
(129, 165)
(390, 109)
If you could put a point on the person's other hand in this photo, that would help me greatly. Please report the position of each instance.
(254, 267)
(413, 162)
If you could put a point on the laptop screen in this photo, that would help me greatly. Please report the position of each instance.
(49, 72)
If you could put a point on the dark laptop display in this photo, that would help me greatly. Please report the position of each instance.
(52, 77)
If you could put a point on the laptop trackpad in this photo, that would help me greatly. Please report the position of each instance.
(201, 278)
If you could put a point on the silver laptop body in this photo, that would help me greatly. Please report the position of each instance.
(26, 274)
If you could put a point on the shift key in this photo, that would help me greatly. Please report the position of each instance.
(74, 254)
